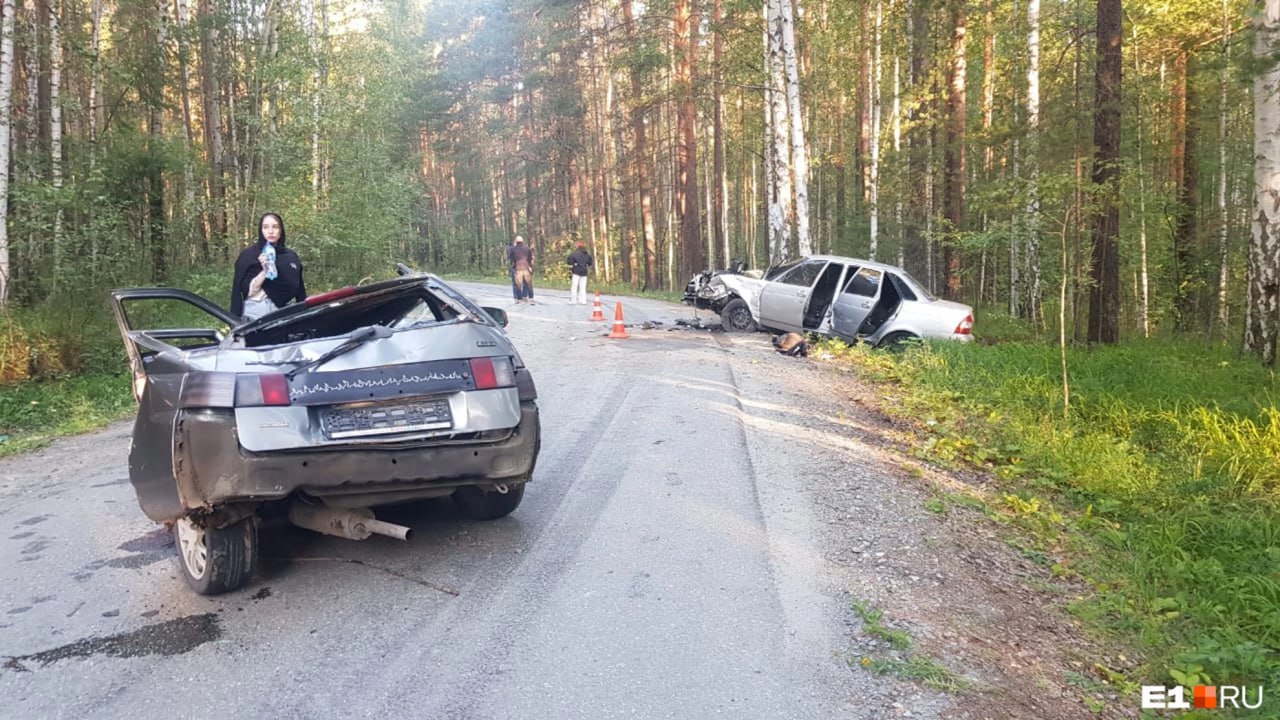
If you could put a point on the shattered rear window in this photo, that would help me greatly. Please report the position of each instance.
(398, 307)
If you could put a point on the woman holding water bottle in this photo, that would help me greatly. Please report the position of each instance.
(268, 274)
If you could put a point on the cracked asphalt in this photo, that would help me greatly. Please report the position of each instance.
(668, 561)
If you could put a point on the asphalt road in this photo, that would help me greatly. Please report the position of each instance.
(664, 564)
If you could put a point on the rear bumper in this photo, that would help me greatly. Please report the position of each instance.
(212, 469)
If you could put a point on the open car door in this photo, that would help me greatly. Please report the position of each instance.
(155, 320)
(167, 333)
(855, 302)
(783, 301)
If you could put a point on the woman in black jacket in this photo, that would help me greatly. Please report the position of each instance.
(286, 286)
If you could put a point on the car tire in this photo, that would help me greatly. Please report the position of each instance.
(217, 560)
(736, 317)
(477, 504)
(897, 342)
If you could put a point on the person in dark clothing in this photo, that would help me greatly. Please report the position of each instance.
(580, 262)
(281, 290)
(521, 258)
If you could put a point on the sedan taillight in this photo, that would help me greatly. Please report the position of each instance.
(966, 326)
(254, 390)
(492, 372)
(208, 390)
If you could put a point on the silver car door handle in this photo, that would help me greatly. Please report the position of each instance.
(865, 305)
(801, 294)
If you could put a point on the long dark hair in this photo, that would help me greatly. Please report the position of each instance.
(262, 240)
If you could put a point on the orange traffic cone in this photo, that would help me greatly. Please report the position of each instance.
(597, 311)
(619, 330)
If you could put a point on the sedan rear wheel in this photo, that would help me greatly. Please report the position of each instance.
(736, 317)
(477, 504)
(899, 341)
(217, 560)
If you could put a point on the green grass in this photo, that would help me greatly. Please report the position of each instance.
(32, 413)
(922, 669)
(873, 625)
(900, 661)
(1159, 487)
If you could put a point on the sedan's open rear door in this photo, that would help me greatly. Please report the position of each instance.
(153, 320)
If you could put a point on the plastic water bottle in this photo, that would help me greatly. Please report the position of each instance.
(270, 250)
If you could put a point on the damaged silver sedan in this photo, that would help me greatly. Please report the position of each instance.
(386, 393)
(854, 300)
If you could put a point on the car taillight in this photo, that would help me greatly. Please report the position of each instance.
(208, 389)
(966, 325)
(254, 390)
(492, 372)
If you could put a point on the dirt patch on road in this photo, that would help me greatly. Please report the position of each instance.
(937, 593)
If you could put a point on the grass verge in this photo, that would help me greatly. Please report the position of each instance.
(1159, 486)
(34, 412)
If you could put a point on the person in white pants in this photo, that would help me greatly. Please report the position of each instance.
(580, 263)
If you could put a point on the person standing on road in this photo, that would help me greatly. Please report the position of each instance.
(521, 258)
(580, 262)
(279, 265)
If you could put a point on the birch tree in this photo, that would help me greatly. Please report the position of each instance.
(719, 181)
(6, 105)
(877, 109)
(1031, 305)
(1264, 246)
(1224, 79)
(799, 151)
(55, 133)
(778, 153)
(1144, 298)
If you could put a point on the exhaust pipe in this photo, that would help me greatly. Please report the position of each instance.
(355, 524)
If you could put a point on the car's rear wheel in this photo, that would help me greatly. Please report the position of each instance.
(477, 504)
(736, 316)
(898, 341)
(217, 560)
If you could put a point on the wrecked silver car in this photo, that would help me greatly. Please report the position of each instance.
(389, 392)
(852, 299)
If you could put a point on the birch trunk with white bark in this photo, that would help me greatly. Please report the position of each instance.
(877, 111)
(1224, 79)
(719, 175)
(6, 106)
(779, 153)
(897, 154)
(799, 150)
(1144, 300)
(55, 132)
(1031, 304)
(1264, 246)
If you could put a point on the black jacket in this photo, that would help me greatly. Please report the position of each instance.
(580, 261)
(287, 286)
(518, 252)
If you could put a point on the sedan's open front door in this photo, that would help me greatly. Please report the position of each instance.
(783, 301)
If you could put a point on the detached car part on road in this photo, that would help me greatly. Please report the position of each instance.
(390, 392)
(852, 299)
